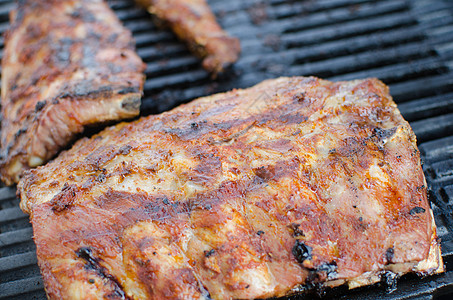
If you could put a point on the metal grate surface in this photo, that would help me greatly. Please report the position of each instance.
(407, 44)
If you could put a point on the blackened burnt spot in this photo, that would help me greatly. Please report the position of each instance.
(295, 230)
(260, 232)
(417, 210)
(209, 253)
(389, 253)
(301, 251)
(40, 105)
(87, 254)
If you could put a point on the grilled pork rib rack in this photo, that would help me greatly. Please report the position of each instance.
(251, 193)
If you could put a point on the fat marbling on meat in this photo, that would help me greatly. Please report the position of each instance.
(254, 193)
(66, 65)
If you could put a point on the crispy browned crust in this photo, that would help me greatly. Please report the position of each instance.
(66, 64)
(246, 194)
(193, 22)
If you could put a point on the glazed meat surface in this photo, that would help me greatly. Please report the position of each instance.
(193, 22)
(66, 65)
(294, 182)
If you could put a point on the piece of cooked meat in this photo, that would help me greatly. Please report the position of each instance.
(251, 193)
(66, 65)
(193, 22)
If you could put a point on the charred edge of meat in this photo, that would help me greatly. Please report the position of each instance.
(301, 251)
(92, 264)
(327, 271)
(314, 283)
(316, 277)
(389, 280)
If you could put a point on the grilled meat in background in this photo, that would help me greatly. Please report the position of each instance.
(193, 22)
(250, 193)
(66, 65)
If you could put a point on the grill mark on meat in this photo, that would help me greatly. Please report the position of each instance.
(199, 129)
(234, 136)
(92, 264)
(209, 165)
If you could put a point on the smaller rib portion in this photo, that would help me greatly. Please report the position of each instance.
(193, 22)
(66, 65)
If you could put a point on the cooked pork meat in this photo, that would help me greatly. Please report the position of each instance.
(294, 182)
(66, 65)
(193, 22)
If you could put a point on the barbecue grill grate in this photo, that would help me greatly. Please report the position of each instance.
(407, 44)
